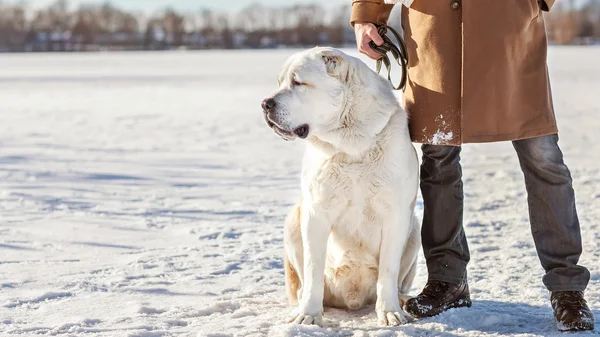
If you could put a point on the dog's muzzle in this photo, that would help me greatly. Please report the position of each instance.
(268, 106)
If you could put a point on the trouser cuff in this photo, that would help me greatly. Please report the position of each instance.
(447, 278)
(567, 287)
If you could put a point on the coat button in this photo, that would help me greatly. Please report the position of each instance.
(455, 5)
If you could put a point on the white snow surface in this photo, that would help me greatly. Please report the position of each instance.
(141, 194)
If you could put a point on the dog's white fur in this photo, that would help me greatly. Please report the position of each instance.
(354, 238)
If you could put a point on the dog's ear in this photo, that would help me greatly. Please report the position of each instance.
(332, 61)
(334, 65)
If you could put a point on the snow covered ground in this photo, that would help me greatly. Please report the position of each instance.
(142, 195)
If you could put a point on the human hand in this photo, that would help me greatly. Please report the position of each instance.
(366, 32)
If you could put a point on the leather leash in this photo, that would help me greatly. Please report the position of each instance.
(398, 51)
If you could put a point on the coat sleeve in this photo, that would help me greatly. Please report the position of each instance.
(546, 5)
(373, 11)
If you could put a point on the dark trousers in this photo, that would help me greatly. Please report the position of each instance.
(552, 213)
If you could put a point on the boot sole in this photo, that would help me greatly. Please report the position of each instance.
(579, 326)
(461, 302)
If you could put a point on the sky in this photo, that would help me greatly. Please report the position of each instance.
(187, 5)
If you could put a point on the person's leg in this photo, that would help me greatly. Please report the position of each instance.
(443, 237)
(555, 229)
(552, 213)
(444, 242)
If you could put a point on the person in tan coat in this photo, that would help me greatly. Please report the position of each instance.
(477, 73)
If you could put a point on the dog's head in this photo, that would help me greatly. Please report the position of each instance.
(311, 95)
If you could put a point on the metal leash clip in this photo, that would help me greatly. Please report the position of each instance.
(398, 51)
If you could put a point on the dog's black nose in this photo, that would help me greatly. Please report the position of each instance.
(268, 104)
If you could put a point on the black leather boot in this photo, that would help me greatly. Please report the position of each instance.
(571, 311)
(437, 297)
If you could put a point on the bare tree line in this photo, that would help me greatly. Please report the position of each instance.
(571, 24)
(107, 27)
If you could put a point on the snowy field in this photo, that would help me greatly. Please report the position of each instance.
(142, 195)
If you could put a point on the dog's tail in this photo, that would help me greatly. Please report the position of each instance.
(292, 281)
(292, 233)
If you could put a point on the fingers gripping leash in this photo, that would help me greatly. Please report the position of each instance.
(398, 51)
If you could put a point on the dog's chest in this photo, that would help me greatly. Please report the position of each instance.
(364, 215)
(367, 202)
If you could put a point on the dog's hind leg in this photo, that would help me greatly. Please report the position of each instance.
(407, 283)
(293, 258)
(408, 266)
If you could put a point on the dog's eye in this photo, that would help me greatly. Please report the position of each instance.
(295, 82)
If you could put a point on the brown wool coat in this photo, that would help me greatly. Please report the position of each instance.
(477, 69)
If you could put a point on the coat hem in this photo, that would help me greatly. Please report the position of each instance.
(511, 136)
(491, 138)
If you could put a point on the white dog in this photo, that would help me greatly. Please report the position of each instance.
(354, 238)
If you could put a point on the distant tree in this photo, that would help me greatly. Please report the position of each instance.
(562, 23)
(13, 26)
(173, 25)
(224, 30)
(589, 20)
(154, 37)
(207, 21)
(85, 29)
(339, 25)
(309, 23)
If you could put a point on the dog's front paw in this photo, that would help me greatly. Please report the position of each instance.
(389, 313)
(392, 318)
(301, 317)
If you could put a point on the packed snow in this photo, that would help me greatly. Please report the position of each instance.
(141, 194)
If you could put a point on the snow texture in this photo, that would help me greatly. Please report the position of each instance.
(142, 195)
(441, 137)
